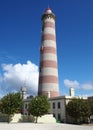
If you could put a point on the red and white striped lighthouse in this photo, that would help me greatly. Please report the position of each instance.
(48, 71)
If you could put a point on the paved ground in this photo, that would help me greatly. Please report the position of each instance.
(32, 126)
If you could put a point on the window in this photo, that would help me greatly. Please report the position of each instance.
(59, 116)
(59, 105)
(25, 113)
(54, 105)
(26, 106)
(53, 114)
(39, 69)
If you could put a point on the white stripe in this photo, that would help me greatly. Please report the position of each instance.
(49, 71)
(49, 30)
(49, 56)
(49, 43)
(49, 87)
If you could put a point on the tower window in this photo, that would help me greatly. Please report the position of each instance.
(39, 69)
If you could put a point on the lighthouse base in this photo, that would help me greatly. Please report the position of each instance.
(47, 119)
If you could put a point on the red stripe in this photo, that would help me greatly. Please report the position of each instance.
(48, 79)
(49, 24)
(47, 63)
(49, 50)
(48, 37)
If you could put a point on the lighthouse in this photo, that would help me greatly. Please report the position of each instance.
(48, 70)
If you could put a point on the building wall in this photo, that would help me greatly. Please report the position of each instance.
(57, 108)
(25, 106)
(59, 111)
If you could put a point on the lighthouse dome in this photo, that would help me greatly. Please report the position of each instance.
(48, 11)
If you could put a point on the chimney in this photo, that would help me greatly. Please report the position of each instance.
(23, 90)
(72, 92)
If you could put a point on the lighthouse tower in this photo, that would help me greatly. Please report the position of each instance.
(48, 70)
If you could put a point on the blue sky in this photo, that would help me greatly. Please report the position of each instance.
(20, 39)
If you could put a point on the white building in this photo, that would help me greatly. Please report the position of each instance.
(57, 105)
(25, 106)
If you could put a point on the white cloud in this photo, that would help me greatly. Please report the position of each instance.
(69, 83)
(87, 86)
(0, 78)
(75, 84)
(18, 75)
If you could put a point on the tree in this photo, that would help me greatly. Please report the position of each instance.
(90, 101)
(38, 106)
(78, 109)
(85, 111)
(11, 104)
